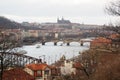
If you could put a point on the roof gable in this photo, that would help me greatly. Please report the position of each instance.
(35, 67)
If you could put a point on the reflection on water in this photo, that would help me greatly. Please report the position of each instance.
(51, 53)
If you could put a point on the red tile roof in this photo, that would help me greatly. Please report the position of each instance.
(78, 65)
(16, 74)
(113, 36)
(52, 67)
(101, 40)
(34, 67)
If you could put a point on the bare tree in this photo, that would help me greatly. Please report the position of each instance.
(7, 44)
(114, 8)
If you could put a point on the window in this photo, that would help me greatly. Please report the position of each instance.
(47, 72)
(39, 73)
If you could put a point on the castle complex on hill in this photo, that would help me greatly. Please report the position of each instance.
(63, 21)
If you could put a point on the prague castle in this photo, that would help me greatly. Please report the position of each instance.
(63, 21)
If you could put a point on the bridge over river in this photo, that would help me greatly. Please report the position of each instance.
(15, 59)
(56, 37)
(67, 41)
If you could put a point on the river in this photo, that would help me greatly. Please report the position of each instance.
(51, 53)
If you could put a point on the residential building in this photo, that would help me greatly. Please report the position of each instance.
(33, 33)
(55, 72)
(71, 67)
(100, 42)
(40, 71)
(16, 74)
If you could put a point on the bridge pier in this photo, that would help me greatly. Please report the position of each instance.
(55, 43)
(81, 43)
(43, 43)
(68, 44)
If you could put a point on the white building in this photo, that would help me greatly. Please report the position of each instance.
(68, 68)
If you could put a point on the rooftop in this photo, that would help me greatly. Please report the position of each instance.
(16, 74)
(41, 66)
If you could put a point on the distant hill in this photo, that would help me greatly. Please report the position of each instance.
(9, 24)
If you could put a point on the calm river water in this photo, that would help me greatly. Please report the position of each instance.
(51, 53)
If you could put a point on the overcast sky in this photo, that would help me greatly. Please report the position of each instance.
(80, 11)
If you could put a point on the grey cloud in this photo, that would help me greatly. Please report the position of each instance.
(52, 10)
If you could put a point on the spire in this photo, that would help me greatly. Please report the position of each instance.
(63, 58)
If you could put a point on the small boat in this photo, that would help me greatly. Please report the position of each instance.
(38, 46)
